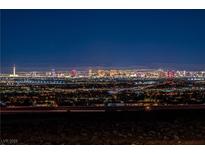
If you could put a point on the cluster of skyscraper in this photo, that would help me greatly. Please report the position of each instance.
(113, 73)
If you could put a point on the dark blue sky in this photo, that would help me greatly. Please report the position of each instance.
(72, 38)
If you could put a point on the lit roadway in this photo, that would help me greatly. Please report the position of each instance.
(30, 109)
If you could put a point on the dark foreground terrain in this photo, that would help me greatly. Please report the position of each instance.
(153, 127)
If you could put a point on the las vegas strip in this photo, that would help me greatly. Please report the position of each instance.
(102, 76)
(100, 90)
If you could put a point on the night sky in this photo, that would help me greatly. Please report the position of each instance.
(34, 39)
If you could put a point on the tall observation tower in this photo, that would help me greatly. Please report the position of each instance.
(14, 72)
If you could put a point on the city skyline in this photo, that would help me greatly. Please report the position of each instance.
(106, 38)
(87, 68)
(102, 77)
(107, 73)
